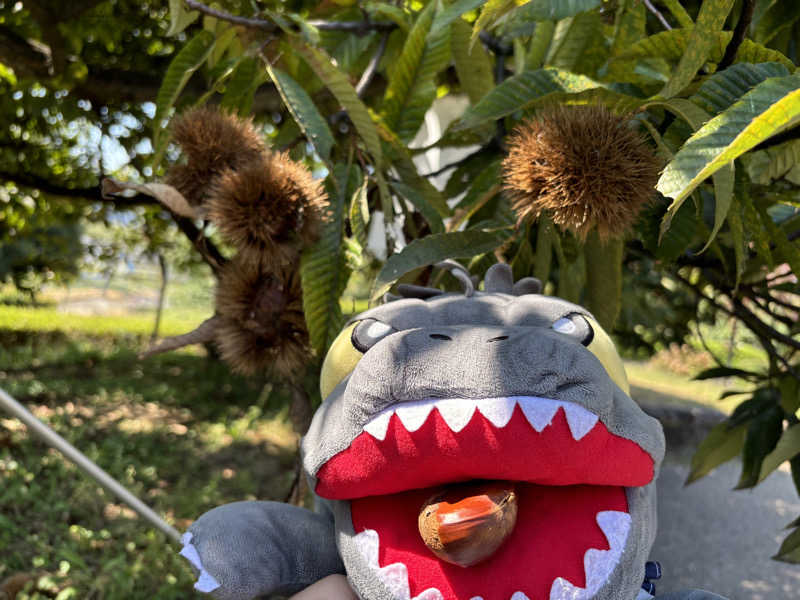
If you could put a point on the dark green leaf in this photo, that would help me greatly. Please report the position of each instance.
(603, 279)
(421, 203)
(790, 548)
(241, 87)
(323, 268)
(303, 110)
(724, 88)
(788, 447)
(473, 65)
(763, 433)
(720, 445)
(715, 372)
(434, 248)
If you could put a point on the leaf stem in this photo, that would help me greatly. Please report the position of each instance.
(738, 34)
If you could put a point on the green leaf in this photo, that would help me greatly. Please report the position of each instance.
(680, 14)
(421, 203)
(180, 69)
(710, 20)
(578, 44)
(551, 10)
(473, 65)
(517, 92)
(359, 213)
(762, 436)
(723, 443)
(764, 166)
(790, 548)
(767, 109)
(343, 91)
(779, 17)
(724, 88)
(715, 372)
(453, 12)
(788, 447)
(540, 44)
(304, 112)
(323, 267)
(736, 225)
(242, 86)
(603, 279)
(179, 17)
(491, 11)
(485, 186)
(434, 248)
(545, 237)
(671, 45)
(788, 250)
(412, 81)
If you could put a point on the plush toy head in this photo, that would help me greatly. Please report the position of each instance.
(423, 393)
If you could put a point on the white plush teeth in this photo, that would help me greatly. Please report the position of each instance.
(367, 543)
(597, 564)
(498, 411)
(414, 414)
(580, 420)
(519, 596)
(379, 424)
(539, 411)
(395, 577)
(456, 413)
(205, 582)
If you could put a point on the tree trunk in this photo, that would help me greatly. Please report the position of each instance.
(162, 263)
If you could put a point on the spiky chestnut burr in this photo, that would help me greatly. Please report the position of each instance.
(584, 166)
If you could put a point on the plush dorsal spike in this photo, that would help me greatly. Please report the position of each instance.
(408, 290)
(499, 279)
(527, 285)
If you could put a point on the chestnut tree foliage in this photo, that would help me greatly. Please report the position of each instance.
(713, 85)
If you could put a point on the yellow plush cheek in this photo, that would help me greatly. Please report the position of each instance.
(605, 351)
(340, 360)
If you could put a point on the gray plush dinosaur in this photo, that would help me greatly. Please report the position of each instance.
(434, 389)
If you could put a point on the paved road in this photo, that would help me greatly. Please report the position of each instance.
(713, 538)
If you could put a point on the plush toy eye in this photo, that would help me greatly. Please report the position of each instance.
(369, 332)
(575, 326)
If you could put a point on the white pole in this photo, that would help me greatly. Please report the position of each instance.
(51, 438)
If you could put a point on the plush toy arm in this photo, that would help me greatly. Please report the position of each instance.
(246, 550)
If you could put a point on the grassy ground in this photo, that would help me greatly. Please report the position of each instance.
(178, 430)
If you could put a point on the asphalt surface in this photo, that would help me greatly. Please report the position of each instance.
(713, 538)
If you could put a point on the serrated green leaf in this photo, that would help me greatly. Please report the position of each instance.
(491, 11)
(788, 447)
(180, 69)
(345, 94)
(710, 21)
(736, 225)
(762, 436)
(671, 45)
(242, 86)
(767, 109)
(725, 87)
(551, 10)
(412, 81)
(179, 17)
(764, 166)
(394, 13)
(434, 248)
(473, 65)
(517, 92)
(723, 443)
(323, 266)
(484, 187)
(304, 112)
(540, 44)
(359, 213)
(603, 279)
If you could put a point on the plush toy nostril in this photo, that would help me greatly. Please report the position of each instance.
(440, 336)
(499, 338)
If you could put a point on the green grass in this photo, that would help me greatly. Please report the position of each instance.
(178, 430)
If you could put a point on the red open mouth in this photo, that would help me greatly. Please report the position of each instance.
(571, 474)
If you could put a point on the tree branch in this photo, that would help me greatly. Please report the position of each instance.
(658, 15)
(357, 27)
(739, 33)
(372, 67)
